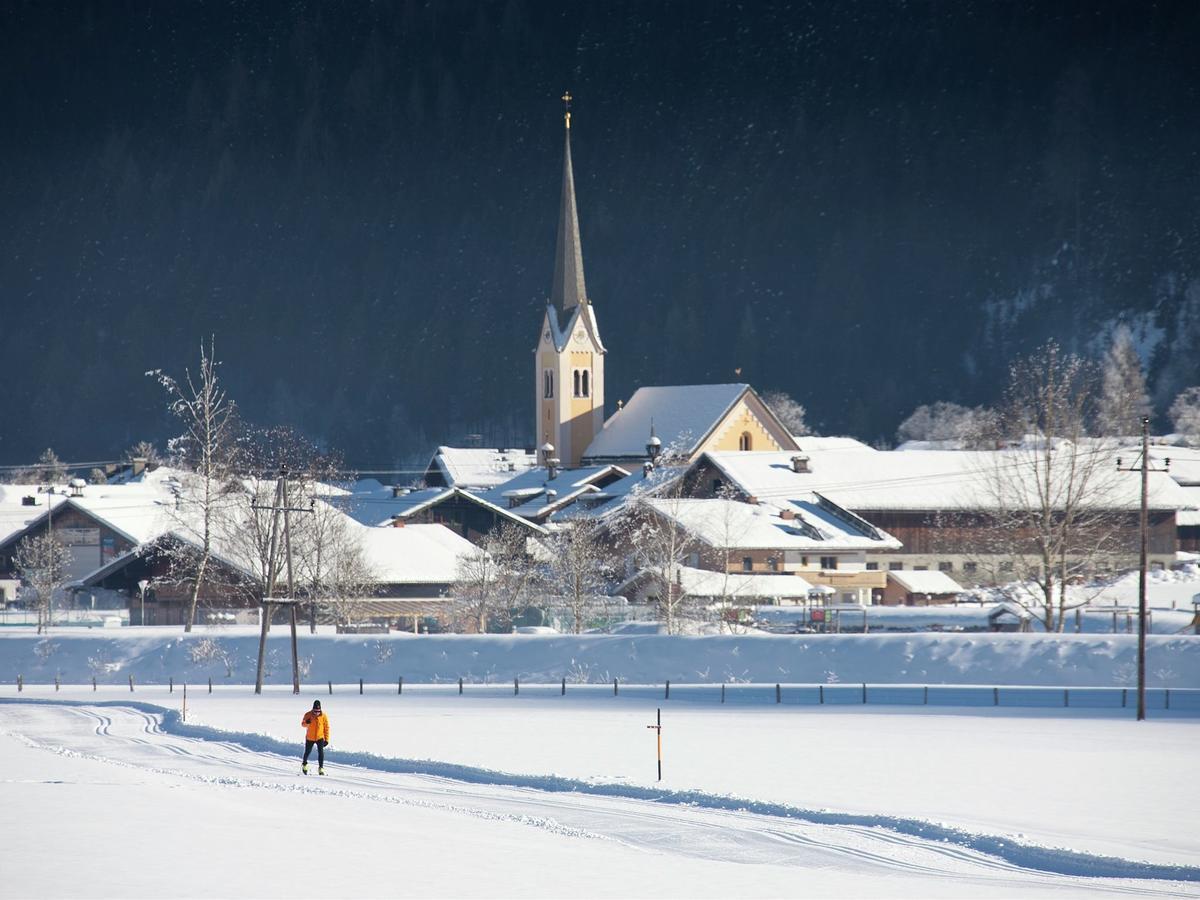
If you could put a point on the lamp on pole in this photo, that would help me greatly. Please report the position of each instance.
(142, 585)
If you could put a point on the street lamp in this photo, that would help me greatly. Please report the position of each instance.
(142, 585)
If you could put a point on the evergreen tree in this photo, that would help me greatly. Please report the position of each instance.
(1123, 399)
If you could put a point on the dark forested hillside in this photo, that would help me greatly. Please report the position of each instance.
(869, 205)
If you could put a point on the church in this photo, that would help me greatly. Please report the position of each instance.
(569, 362)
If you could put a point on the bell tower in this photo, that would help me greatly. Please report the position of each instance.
(569, 359)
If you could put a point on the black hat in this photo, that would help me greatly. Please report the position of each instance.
(316, 704)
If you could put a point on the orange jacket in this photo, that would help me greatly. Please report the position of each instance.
(317, 724)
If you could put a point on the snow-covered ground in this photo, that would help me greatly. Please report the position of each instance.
(430, 793)
(228, 655)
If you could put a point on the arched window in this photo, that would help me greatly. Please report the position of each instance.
(547, 383)
(576, 374)
(745, 442)
(586, 386)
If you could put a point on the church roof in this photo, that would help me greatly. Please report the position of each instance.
(683, 416)
(568, 290)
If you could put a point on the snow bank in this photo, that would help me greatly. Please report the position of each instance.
(227, 655)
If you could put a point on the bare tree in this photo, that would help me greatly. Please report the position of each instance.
(1123, 400)
(476, 587)
(497, 577)
(49, 469)
(331, 562)
(205, 447)
(793, 415)
(41, 563)
(1185, 414)
(579, 567)
(144, 450)
(658, 543)
(1053, 511)
(964, 426)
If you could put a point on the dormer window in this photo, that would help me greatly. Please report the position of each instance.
(547, 384)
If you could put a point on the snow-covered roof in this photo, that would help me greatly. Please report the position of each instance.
(414, 553)
(683, 416)
(610, 499)
(527, 494)
(929, 480)
(814, 525)
(703, 583)
(925, 582)
(381, 507)
(481, 469)
(1184, 464)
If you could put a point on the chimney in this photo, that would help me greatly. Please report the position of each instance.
(29, 501)
(787, 514)
(77, 486)
(397, 521)
(552, 467)
(800, 463)
(139, 465)
(398, 491)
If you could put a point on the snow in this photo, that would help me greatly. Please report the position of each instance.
(925, 582)
(929, 480)
(682, 416)
(152, 655)
(813, 528)
(479, 468)
(555, 796)
(414, 553)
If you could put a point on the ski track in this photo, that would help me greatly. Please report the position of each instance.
(155, 739)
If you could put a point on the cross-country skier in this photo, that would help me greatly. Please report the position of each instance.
(317, 724)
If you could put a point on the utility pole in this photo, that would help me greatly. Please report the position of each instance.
(1144, 467)
(269, 601)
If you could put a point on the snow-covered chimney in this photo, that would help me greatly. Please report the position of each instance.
(800, 463)
(77, 486)
(398, 491)
(552, 465)
(787, 514)
(139, 465)
(397, 521)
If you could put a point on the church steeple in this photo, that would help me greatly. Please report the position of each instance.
(569, 359)
(568, 290)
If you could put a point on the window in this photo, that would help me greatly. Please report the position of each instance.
(873, 567)
(970, 568)
(920, 568)
(895, 566)
(828, 562)
(718, 484)
(747, 564)
(586, 387)
(945, 567)
(576, 379)
(804, 560)
(745, 442)
(773, 564)
(547, 384)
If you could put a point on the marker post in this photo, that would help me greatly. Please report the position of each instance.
(658, 728)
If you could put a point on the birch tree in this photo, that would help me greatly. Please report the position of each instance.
(1053, 508)
(41, 563)
(205, 447)
(579, 567)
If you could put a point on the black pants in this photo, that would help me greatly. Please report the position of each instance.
(308, 745)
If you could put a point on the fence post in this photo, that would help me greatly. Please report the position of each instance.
(56, 681)
(210, 684)
(864, 692)
(20, 683)
(926, 701)
(93, 682)
(615, 691)
(778, 693)
(400, 685)
(331, 688)
(722, 693)
(820, 693)
(1124, 696)
(360, 689)
(171, 682)
(564, 686)
(1168, 698)
(1066, 697)
(995, 696)
(460, 684)
(131, 684)
(667, 694)
(516, 687)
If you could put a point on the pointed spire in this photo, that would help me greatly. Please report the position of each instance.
(568, 289)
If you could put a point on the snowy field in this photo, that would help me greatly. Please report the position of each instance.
(435, 794)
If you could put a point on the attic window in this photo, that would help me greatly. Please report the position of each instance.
(547, 384)
(745, 442)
